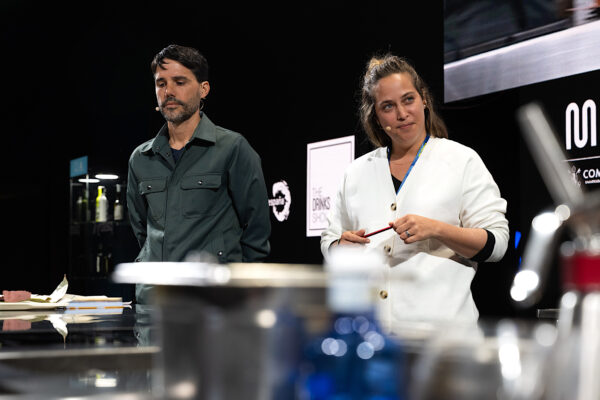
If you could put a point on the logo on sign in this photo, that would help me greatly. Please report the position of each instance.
(590, 175)
(281, 201)
(580, 125)
(320, 205)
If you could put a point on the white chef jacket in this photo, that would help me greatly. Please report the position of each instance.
(424, 280)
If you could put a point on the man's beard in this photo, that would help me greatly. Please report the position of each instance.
(178, 116)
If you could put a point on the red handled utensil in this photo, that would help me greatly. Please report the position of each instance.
(377, 231)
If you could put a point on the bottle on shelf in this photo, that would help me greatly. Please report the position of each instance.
(107, 263)
(101, 206)
(79, 210)
(87, 213)
(99, 259)
(82, 210)
(118, 209)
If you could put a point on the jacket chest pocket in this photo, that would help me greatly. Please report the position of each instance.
(199, 194)
(154, 191)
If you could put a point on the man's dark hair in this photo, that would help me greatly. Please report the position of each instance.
(186, 56)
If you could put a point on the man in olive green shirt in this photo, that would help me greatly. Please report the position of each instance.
(195, 187)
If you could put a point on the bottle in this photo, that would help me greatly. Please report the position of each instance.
(101, 206)
(354, 359)
(99, 259)
(107, 263)
(79, 211)
(118, 206)
(85, 215)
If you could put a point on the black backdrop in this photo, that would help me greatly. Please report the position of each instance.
(77, 82)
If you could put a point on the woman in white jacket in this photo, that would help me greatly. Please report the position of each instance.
(441, 203)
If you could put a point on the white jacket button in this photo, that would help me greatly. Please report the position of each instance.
(387, 248)
(393, 206)
(383, 294)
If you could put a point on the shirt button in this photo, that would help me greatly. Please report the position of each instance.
(387, 248)
(149, 187)
(383, 294)
(199, 182)
(393, 206)
(220, 253)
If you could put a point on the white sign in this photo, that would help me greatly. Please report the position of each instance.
(326, 162)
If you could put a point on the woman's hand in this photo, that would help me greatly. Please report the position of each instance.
(465, 241)
(413, 228)
(353, 237)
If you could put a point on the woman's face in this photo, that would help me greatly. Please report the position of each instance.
(400, 109)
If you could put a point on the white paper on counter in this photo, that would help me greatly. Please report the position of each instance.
(58, 299)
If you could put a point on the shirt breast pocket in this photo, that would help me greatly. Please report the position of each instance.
(154, 191)
(199, 194)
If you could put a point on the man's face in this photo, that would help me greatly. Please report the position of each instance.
(178, 93)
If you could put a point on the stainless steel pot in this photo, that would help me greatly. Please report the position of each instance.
(230, 331)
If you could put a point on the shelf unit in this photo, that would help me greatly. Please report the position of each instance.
(95, 248)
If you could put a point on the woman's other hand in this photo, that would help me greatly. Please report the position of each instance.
(353, 237)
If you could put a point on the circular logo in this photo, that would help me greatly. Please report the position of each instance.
(281, 201)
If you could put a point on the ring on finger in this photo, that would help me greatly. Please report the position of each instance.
(407, 234)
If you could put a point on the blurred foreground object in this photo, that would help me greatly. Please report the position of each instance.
(575, 365)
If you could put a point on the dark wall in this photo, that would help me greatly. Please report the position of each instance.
(78, 83)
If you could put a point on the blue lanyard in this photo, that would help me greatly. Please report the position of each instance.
(413, 163)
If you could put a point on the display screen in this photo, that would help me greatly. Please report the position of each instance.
(495, 45)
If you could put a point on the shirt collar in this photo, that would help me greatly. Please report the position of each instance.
(205, 131)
